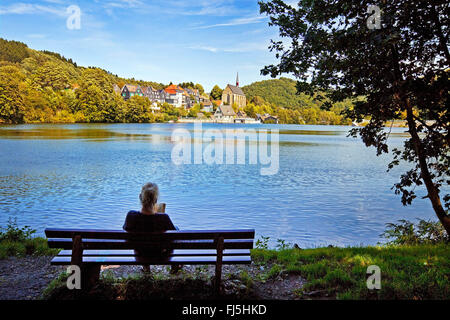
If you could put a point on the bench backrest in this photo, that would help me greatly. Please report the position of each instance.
(119, 239)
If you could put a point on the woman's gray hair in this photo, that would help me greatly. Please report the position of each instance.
(149, 195)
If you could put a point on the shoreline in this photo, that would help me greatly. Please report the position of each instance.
(401, 124)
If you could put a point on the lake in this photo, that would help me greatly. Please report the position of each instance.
(329, 189)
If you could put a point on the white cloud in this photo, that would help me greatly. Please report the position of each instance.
(235, 22)
(250, 47)
(27, 8)
(125, 4)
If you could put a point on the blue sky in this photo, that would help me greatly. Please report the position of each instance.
(205, 41)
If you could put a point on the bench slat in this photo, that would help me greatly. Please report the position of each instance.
(179, 244)
(176, 252)
(121, 260)
(154, 236)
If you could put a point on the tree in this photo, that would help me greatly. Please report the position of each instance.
(194, 110)
(12, 108)
(199, 87)
(138, 110)
(403, 66)
(13, 51)
(257, 100)
(216, 93)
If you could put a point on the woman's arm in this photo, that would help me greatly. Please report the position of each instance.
(129, 224)
(169, 224)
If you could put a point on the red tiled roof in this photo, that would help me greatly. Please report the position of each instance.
(172, 89)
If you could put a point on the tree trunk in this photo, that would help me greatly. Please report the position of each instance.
(433, 191)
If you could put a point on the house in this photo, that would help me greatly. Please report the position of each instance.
(117, 89)
(129, 91)
(241, 114)
(234, 95)
(176, 95)
(194, 93)
(224, 112)
(151, 93)
(207, 106)
(161, 96)
(266, 118)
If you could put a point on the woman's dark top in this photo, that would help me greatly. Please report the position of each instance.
(138, 222)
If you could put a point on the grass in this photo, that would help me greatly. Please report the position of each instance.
(19, 241)
(33, 246)
(407, 272)
(416, 272)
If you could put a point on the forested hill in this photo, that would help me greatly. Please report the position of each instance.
(46, 87)
(43, 86)
(281, 92)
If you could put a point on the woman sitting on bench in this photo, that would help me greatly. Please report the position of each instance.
(149, 220)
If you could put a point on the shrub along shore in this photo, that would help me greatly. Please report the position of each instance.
(415, 265)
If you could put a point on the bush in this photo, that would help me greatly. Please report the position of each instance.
(424, 232)
(14, 233)
(15, 241)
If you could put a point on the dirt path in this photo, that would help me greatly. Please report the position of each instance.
(25, 278)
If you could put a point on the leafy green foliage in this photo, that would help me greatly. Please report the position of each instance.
(13, 232)
(18, 241)
(407, 233)
(43, 86)
(216, 93)
(13, 51)
(281, 98)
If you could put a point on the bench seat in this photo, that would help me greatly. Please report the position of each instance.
(132, 260)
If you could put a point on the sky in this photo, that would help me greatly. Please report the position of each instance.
(203, 41)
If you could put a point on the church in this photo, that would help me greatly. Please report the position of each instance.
(234, 95)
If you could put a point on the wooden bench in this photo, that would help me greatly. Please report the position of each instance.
(90, 249)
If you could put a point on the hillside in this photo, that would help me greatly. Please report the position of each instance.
(46, 87)
(280, 97)
(281, 92)
(43, 86)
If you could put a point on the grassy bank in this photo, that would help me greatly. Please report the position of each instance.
(414, 265)
(407, 272)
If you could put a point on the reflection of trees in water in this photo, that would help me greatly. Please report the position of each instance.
(90, 134)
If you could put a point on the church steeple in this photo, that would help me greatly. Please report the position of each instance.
(237, 79)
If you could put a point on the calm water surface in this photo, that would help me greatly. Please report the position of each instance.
(329, 189)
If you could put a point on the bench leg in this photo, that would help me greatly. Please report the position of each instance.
(218, 265)
(90, 274)
(217, 278)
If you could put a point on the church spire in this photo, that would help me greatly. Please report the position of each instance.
(237, 79)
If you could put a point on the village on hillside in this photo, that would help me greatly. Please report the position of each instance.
(230, 109)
